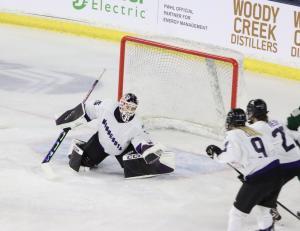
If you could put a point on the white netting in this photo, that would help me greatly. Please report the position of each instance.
(177, 90)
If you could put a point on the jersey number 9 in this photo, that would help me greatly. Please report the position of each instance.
(258, 146)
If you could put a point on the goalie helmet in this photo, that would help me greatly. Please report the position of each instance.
(257, 108)
(235, 118)
(127, 106)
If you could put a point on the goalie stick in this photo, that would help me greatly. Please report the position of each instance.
(63, 134)
(277, 202)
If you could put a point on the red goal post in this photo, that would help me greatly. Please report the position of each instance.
(167, 52)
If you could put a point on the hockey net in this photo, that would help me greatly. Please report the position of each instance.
(180, 84)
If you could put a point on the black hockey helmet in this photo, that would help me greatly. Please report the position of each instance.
(257, 108)
(235, 118)
(127, 105)
(130, 98)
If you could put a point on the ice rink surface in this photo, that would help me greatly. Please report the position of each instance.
(42, 74)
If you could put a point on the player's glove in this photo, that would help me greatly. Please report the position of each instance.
(213, 150)
(72, 118)
(293, 121)
(153, 153)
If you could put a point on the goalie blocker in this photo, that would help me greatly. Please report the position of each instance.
(72, 118)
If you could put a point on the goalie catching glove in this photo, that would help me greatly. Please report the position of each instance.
(72, 118)
(153, 153)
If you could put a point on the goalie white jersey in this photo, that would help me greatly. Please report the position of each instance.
(115, 136)
(282, 138)
(247, 150)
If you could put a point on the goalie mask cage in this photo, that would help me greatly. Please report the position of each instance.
(180, 84)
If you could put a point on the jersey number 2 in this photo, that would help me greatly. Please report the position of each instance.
(280, 131)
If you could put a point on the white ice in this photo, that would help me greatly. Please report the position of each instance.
(43, 74)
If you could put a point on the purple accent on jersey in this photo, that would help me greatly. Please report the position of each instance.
(294, 164)
(273, 123)
(141, 148)
(267, 229)
(262, 171)
(110, 135)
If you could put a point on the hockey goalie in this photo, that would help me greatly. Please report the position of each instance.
(120, 133)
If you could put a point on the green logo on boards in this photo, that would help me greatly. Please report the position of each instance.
(129, 8)
(80, 4)
(137, 1)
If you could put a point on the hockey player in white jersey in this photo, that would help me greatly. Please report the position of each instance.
(282, 138)
(252, 154)
(120, 133)
(284, 141)
(293, 123)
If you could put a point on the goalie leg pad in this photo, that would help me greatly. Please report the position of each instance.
(135, 166)
(75, 142)
(94, 153)
(87, 154)
(75, 158)
(129, 150)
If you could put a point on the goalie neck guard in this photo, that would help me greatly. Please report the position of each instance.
(127, 106)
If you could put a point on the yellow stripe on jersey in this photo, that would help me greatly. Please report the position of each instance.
(250, 131)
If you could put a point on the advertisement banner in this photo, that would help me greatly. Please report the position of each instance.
(185, 19)
(295, 47)
(132, 15)
(264, 29)
(261, 29)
